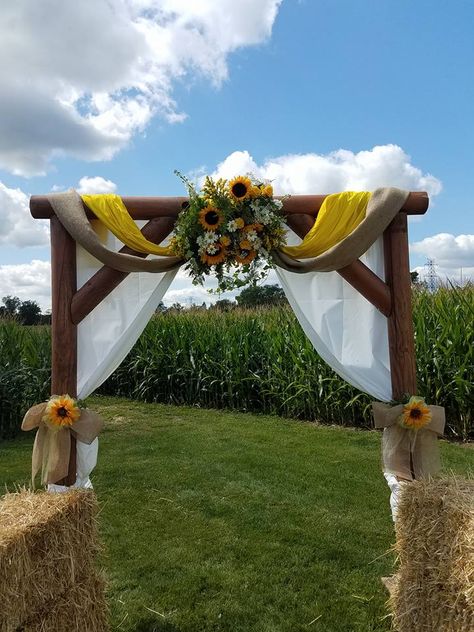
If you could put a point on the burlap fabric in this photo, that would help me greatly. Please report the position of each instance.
(52, 448)
(383, 205)
(70, 212)
(409, 454)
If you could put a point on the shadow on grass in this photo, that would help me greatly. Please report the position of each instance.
(153, 624)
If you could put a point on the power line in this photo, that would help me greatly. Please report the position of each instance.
(431, 278)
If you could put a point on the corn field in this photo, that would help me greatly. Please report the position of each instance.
(258, 361)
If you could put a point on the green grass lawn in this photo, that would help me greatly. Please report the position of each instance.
(218, 521)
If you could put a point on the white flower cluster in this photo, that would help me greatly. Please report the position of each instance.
(206, 242)
(232, 226)
(254, 239)
(263, 212)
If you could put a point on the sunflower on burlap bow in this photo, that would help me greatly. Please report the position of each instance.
(56, 419)
(410, 438)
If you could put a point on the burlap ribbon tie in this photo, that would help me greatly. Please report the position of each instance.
(409, 454)
(52, 447)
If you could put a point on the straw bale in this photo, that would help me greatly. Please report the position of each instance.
(434, 588)
(48, 543)
(80, 609)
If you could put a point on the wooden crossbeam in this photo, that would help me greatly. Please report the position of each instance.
(150, 207)
(107, 279)
(357, 273)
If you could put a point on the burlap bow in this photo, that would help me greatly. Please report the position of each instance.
(409, 454)
(51, 448)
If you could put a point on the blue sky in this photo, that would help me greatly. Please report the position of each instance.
(272, 80)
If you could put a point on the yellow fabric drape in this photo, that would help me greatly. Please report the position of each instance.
(339, 215)
(112, 212)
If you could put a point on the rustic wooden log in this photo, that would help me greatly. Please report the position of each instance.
(63, 330)
(150, 207)
(400, 323)
(106, 279)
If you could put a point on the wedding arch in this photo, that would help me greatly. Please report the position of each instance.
(357, 316)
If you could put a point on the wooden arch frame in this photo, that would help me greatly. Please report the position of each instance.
(392, 297)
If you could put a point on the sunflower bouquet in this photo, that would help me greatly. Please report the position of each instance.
(229, 228)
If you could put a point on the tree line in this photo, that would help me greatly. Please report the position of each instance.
(26, 312)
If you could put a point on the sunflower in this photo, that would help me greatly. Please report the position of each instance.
(61, 412)
(210, 218)
(216, 257)
(256, 227)
(239, 222)
(416, 414)
(245, 245)
(267, 190)
(245, 257)
(225, 241)
(240, 188)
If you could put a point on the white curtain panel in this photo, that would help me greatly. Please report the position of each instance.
(107, 334)
(346, 330)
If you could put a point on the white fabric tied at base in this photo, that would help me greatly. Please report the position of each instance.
(86, 460)
(106, 335)
(346, 330)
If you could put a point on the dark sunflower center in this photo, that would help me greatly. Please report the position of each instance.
(415, 413)
(62, 412)
(239, 189)
(211, 218)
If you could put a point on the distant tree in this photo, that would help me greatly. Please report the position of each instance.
(29, 313)
(256, 295)
(161, 309)
(177, 307)
(223, 305)
(12, 304)
(416, 280)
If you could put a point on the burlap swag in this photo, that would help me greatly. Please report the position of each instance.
(409, 454)
(382, 207)
(52, 447)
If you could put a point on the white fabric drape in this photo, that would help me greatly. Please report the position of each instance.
(347, 331)
(107, 334)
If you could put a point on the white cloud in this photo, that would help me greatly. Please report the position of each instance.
(96, 185)
(453, 255)
(341, 170)
(81, 78)
(28, 281)
(18, 228)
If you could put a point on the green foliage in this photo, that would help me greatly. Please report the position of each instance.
(24, 372)
(260, 360)
(444, 338)
(256, 360)
(226, 522)
(26, 312)
(257, 295)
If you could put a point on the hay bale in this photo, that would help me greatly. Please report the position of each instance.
(434, 588)
(81, 609)
(48, 546)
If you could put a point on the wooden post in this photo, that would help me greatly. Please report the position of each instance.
(63, 330)
(400, 324)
